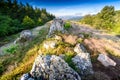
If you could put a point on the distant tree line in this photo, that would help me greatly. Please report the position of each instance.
(107, 19)
(16, 16)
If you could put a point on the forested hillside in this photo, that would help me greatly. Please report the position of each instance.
(16, 16)
(107, 19)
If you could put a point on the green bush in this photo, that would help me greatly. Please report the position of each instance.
(11, 49)
(102, 20)
(87, 20)
(15, 26)
(4, 25)
(39, 22)
(28, 22)
(67, 25)
(8, 26)
(1, 67)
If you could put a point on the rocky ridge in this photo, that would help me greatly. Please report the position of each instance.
(52, 67)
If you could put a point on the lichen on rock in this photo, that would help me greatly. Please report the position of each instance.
(52, 68)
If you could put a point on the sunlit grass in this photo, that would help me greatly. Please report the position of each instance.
(24, 57)
(116, 29)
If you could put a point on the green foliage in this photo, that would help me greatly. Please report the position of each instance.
(79, 40)
(15, 16)
(1, 67)
(39, 22)
(4, 25)
(15, 25)
(28, 22)
(68, 59)
(87, 20)
(103, 20)
(67, 25)
(25, 58)
(107, 13)
(8, 25)
(12, 49)
(106, 17)
(116, 28)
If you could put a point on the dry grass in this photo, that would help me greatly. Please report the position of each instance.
(25, 58)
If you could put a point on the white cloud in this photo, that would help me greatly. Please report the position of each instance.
(80, 10)
(74, 11)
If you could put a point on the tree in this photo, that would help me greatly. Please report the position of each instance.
(103, 20)
(39, 22)
(5, 28)
(14, 15)
(87, 20)
(106, 15)
(44, 17)
(28, 22)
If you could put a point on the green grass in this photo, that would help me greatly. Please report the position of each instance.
(60, 48)
(1, 67)
(12, 49)
(86, 35)
(26, 55)
(116, 29)
(24, 58)
(8, 39)
(111, 52)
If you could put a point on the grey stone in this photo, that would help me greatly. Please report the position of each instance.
(82, 60)
(79, 48)
(105, 60)
(30, 79)
(25, 35)
(26, 77)
(57, 25)
(53, 68)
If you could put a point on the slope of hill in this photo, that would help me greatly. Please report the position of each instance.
(76, 47)
(107, 19)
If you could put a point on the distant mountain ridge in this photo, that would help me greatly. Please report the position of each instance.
(71, 17)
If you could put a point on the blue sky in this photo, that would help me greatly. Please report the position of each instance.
(73, 7)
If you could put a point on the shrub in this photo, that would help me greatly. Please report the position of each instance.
(67, 25)
(8, 26)
(28, 22)
(26, 59)
(1, 67)
(15, 26)
(11, 49)
(4, 25)
(116, 29)
(39, 22)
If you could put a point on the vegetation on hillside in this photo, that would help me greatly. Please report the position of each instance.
(23, 58)
(107, 19)
(16, 16)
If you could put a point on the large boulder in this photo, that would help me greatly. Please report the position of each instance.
(71, 39)
(57, 25)
(26, 76)
(82, 61)
(79, 48)
(52, 68)
(25, 35)
(105, 60)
